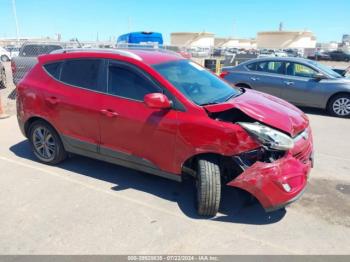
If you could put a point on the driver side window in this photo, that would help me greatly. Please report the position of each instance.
(300, 70)
(128, 83)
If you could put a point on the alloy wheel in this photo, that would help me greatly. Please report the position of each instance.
(44, 144)
(341, 106)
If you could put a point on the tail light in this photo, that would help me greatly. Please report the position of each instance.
(223, 74)
(13, 67)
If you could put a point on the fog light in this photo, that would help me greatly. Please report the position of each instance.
(287, 187)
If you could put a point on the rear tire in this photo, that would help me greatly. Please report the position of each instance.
(208, 186)
(46, 143)
(339, 105)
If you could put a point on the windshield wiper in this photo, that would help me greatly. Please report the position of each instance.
(209, 103)
(231, 96)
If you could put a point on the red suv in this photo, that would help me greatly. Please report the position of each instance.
(162, 114)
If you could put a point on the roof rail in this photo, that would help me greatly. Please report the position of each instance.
(104, 50)
(146, 47)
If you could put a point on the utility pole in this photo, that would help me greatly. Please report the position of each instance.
(129, 23)
(16, 20)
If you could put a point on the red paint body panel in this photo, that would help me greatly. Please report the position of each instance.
(267, 109)
(140, 131)
(264, 180)
(166, 138)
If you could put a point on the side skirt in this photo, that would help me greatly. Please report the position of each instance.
(79, 147)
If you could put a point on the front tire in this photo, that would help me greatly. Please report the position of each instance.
(339, 105)
(46, 143)
(208, 186)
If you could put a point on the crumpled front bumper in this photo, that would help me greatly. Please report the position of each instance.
(281, 182)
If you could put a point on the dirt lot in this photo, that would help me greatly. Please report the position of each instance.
(85, 206)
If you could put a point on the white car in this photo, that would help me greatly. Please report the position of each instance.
(266, 55)
(4, 55)
(14, 51)
(199, 52)
(281, 54)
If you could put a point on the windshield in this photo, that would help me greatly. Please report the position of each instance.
(196, 83)
(326, 69)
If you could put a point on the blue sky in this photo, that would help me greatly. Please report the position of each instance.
(238, 18)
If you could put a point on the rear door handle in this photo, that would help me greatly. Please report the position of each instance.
(109, 113)
(289, 83)
(52, 100)
(255, 78)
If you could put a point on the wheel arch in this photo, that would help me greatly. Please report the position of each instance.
(227, 173)
(189, 162)
(226, 163)
(244, 85)
(33, 119)
(336, 94)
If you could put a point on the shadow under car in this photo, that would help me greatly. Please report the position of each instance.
(236, 206)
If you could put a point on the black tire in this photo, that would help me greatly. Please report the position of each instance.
(336, 102)
(4, 58)
(58, 152)
(208, 186)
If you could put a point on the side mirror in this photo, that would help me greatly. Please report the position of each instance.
(320, 76)
(157, 101)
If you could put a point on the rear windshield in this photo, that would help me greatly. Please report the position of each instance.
(36, 50)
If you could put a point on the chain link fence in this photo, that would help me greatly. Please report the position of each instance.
(23, 56)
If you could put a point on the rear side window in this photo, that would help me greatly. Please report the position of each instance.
(128, 83)
(275, 67)
(82, 73)
(54, 69)
(262, 66)
(252, 66)
(300, 70)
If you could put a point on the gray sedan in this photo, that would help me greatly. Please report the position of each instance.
(300, 81)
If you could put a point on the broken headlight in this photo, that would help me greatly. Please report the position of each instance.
(268, 136)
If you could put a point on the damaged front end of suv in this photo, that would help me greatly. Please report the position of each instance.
(276, 172)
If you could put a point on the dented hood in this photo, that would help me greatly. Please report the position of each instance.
(267, 109)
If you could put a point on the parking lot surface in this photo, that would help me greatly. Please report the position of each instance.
(85, 206)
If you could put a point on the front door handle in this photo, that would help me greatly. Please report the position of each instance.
(255, 78)
(289, 83)
(109, 113)
(52, 100)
